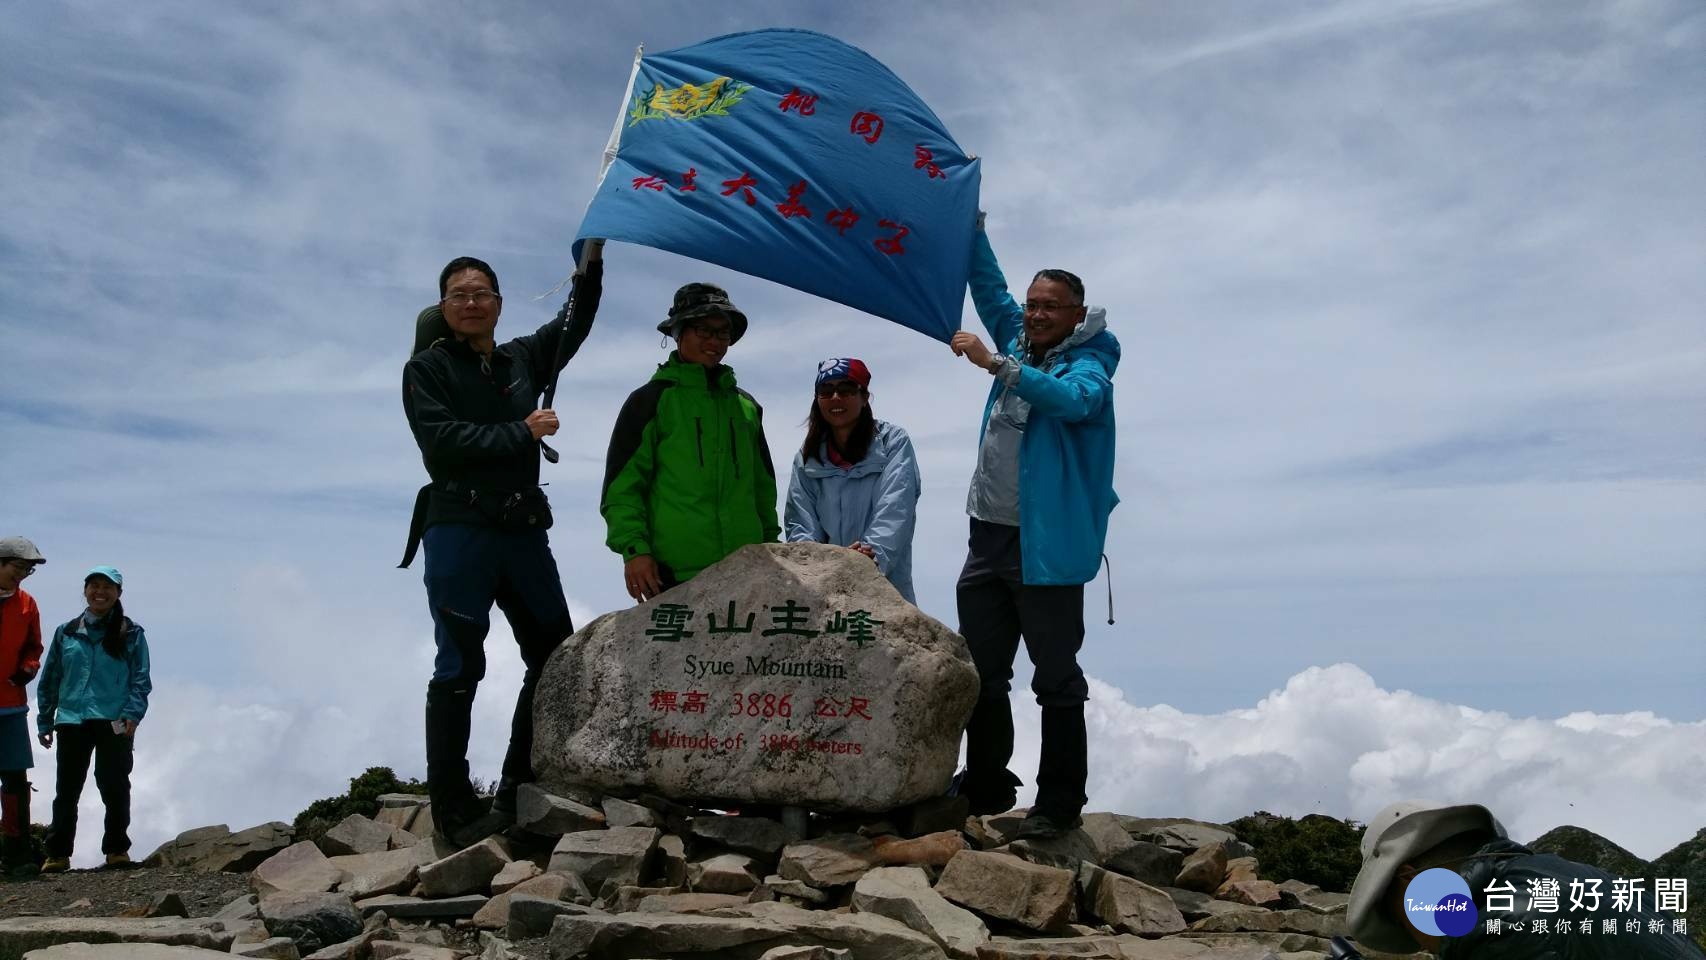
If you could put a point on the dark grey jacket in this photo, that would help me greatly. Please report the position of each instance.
(1505, 862)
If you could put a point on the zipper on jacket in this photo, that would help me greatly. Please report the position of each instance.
(734, 448)
(699, 437)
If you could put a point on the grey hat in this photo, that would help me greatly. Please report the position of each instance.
(1395, 836)
(17, 548)
(703, 300)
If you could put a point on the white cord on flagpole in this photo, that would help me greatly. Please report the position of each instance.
(621, 114)
(609, 157)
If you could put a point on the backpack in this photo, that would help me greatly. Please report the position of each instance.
(430, 327)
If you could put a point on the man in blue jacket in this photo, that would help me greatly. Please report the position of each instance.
(1039, 505)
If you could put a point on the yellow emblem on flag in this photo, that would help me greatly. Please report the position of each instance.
(688, 101)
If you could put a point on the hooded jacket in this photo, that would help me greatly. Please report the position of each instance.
(81, 681)
(688, 477)
(20, 649)
(1505, 862)
(1062, 409)
(467, 412)
(874, 502)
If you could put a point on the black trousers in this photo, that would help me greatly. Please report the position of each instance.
(997, 611)
(114, 754)
(468, 568)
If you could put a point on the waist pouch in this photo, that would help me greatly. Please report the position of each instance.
(513, 511)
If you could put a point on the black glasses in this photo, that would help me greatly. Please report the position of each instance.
(1032, 306)
(484, 298)
(838, 388)
(24, 567)
(712, 333)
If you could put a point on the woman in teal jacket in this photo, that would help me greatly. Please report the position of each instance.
(93, 693)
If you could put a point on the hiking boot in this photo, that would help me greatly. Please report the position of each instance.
(56, 865)
(1042, 826)
(475, 821)
(986, 798)
(504, 800)
(119, 861)
(466, 833)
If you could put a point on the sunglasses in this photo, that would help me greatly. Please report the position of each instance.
(839, 388)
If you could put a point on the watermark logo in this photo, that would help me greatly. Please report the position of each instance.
(1437, 902)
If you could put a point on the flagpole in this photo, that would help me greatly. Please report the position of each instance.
(611, 147)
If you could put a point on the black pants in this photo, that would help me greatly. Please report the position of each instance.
(468, 568)
(114, 753)
(997, 610)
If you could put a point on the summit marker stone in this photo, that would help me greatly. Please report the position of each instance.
(787, 673)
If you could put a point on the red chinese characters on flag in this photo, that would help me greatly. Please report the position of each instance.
(687, 184)
(803, 103)
(842, 220)
(866, 124)
(792, 207)
(923, 160)
(891, 245)
(743, 183)
(649, 183)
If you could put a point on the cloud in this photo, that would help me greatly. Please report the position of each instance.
(1332, 741)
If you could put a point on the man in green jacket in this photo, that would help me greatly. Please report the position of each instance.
(688, 478)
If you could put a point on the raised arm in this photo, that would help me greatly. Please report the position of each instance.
(1001, 315)
(552, 346)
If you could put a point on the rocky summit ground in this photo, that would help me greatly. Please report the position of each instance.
(119, 893)
(603, 877)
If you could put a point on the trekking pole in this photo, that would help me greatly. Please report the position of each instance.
(1341, 949)
(588, 249)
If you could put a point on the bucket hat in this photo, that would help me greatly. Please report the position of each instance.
(697, 300)
(1395, 836)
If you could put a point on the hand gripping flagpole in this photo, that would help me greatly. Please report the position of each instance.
(590, 249)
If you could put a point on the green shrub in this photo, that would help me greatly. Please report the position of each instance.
(1315, 849)
(363, 798)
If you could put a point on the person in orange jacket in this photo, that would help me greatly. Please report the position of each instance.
(20, 658)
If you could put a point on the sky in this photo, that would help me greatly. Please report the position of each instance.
(1411, 453)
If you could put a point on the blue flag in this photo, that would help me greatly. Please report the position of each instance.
(792, 156)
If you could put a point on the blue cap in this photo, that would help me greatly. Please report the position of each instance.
(111, 573)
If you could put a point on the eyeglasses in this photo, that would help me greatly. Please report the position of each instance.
(1032, 306)
(484, 298)
(24, 567)
(712, 333)
(837, 388)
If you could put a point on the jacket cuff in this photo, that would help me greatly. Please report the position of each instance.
(638, 548)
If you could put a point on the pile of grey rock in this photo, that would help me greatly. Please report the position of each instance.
(602, 877)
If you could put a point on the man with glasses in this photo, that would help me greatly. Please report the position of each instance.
(688, 478)
(1039, 504)
(473, 407)
(20, 658)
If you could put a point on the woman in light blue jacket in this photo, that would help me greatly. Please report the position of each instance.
(93, 692)
(855, 481)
